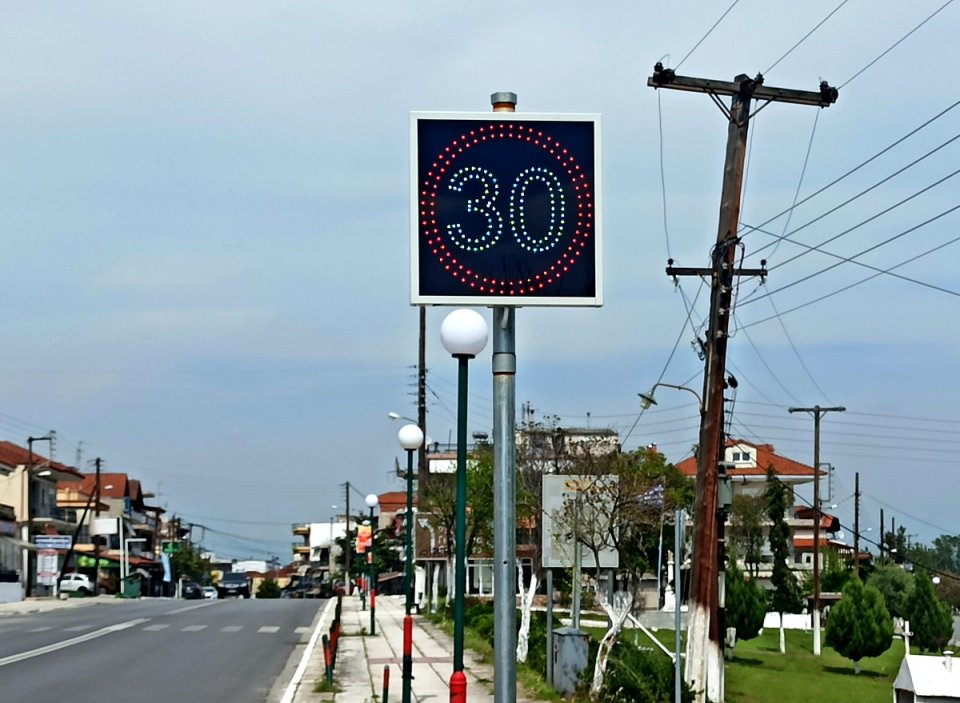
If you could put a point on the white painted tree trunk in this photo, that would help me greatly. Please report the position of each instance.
(451, 583)
(526, 605)
(698, 629)
(783, 642)
(617, 612)
(435, 588)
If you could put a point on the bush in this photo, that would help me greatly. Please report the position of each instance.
(638, 676)
(268, 588)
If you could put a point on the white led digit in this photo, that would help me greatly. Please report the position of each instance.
(484, 205)
(539, 242)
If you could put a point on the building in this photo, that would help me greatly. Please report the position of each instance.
(28, 488)
(927, 680)
(315, 556)
(746, 465)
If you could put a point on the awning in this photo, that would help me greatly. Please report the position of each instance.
(19, 543)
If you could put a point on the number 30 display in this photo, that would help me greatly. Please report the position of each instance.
(505, 210)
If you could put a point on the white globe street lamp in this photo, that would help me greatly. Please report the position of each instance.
(411, 437)
(464, 334)
(372, 501)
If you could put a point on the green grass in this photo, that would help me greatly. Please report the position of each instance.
(758, 672)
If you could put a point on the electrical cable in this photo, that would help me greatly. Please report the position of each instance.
(807, 35)
(861, 264)
(767, 366)
(709, 31)
(796, 352)
(894, 45)
(787, 236)
(663, 179)
(853, 170)
(865, 251)
(803, 171)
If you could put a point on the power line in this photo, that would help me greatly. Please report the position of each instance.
(807, 35)
(787, 235)
(853, 170)
(709, 31)
(896, 43)
(663, 179)
(868, 278)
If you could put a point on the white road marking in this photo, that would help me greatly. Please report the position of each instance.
(302, 630)
(40, 629)
(71, 642)
(232, 628)
(78, 628)
(155, 628)
(268, 629)
(194, 628)
(307, 653)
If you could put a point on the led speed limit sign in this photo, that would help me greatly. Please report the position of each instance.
(505, 209)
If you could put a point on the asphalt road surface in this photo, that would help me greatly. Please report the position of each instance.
(236, 651)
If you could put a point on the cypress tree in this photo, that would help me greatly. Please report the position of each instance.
(785, 596)
(859, 625)
(929, 619)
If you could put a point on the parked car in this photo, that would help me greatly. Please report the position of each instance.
(234, 584)
(191, 590)
(76, 583)
(209, 592)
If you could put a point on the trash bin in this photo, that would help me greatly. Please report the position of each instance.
(131, 587)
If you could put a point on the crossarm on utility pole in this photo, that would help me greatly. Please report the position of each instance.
(751, 87)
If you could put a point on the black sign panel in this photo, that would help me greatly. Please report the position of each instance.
(506, 209)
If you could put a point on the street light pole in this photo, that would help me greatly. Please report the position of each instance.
(464, 335)
(372, 502)
(411, 437)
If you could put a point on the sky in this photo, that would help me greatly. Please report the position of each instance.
(205, 219)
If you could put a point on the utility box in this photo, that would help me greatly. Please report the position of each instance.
(570, 653)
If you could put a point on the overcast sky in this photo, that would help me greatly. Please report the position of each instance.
(205, 228)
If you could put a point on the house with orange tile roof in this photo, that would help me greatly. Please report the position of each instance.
(746, 465)
(28, 489)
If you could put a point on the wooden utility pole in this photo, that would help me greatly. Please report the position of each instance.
(817, 413)
(96, 538)
(856, 524)
(347, 547)
(882, 538)
(704, 667)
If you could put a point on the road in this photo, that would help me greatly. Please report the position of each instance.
(236, 651)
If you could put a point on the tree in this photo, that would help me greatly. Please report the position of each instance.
(268, 588)
(746, 530)
(930, 620)
(619, 505)
(894, 585)
(438, 506)
(746, 603)
(859, 625)
(785, 596)
(948, 590)
(189, 563)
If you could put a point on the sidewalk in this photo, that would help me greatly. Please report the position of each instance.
(361, 659)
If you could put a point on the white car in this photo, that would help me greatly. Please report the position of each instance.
(209, 592)
(76, 583)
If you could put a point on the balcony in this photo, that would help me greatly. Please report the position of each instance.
(301, 528)
(301, 548)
